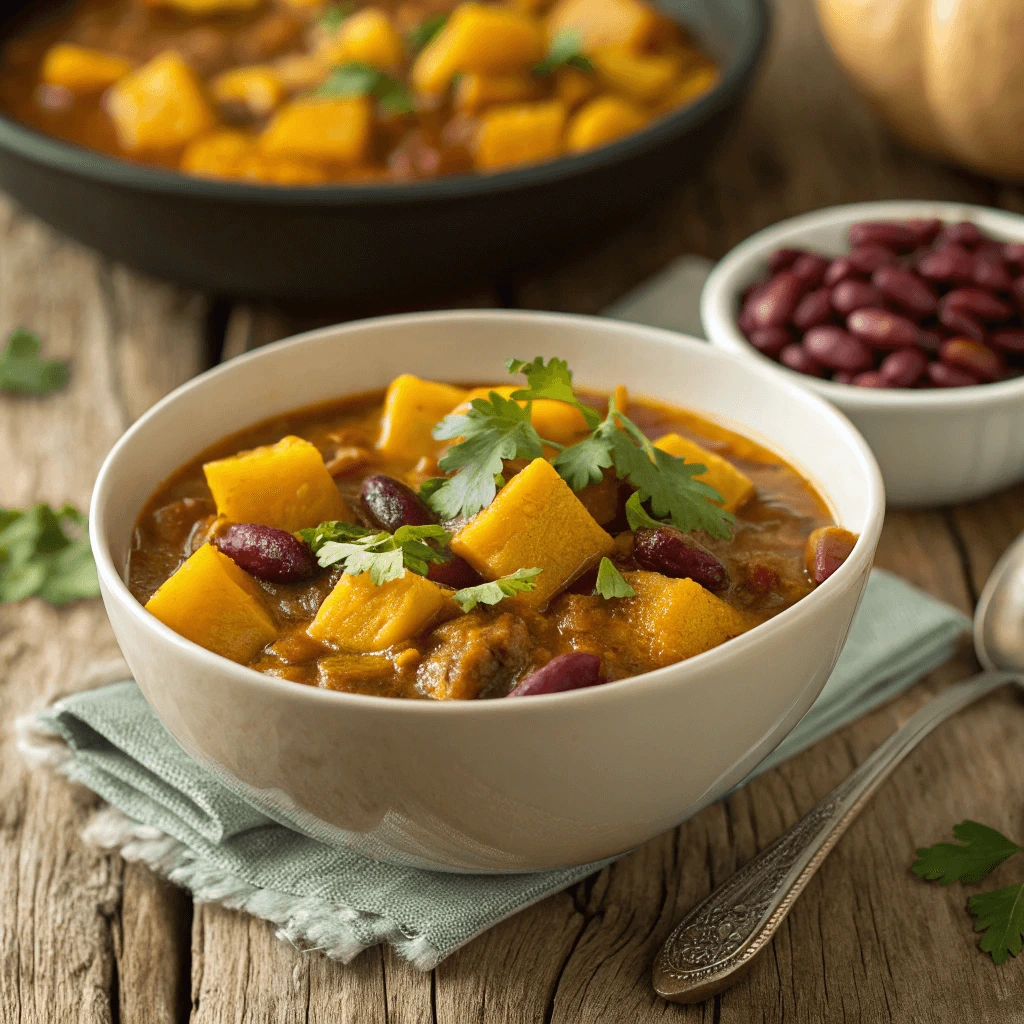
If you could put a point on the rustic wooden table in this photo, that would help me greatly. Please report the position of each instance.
(86, 937)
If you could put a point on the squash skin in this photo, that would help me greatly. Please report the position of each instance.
(943, 75)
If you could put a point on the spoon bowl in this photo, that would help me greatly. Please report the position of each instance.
(999, 619)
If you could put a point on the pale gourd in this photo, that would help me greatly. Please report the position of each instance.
(945, 75)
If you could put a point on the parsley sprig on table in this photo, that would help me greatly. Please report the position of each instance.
(45, 553)
(1000, 913)
(385, 556)
(519, 582)
(357, 79)
(23, 371)
(497, 428)
(565, 50)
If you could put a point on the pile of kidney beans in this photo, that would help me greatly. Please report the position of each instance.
(913, 304)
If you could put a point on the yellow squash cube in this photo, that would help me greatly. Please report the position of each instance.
(536, 521)
(366, 37)
(481, 38)
(678, 618)
(601, 121)
(259, 89)
(284, 485)
(217, 155)
(215, 604)
(629, 23)
(520, 133)
(476, 91)
(205, 8)
(736, 488)
(554, 421)
(574, 87)
(691, 87)
(337, 130)
(81, 70)
(412, 407)
(162, 105)
(360, 616)
(644, 77)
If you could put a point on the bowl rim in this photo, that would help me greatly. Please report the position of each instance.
(37, 147)
(744, 262)
(114, 588)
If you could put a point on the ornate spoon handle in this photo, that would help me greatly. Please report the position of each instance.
(719, 938)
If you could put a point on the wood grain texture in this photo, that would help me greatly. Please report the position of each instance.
(76, 928)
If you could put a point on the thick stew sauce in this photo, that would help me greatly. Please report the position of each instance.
(447, 542)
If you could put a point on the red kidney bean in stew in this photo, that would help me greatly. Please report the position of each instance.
(449, 542)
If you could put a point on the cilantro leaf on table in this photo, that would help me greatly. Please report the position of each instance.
(610, 582)
(423, 33)
(519, 582)
(564, 50)
(1000, 915)
(552, 380)
(980, 850)
(358, 79)
(491, 430)
(22, 371)
(385, 556)
(45, 553)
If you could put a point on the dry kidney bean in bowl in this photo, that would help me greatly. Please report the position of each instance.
(908, 316)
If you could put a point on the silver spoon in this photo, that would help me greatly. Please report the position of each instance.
(718, 940)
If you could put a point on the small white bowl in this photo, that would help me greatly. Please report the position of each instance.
(935, 446)
(490, 785)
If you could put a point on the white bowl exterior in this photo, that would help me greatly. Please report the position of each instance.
(934, 447)
(490, 785)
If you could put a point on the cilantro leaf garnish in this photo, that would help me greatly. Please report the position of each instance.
(22, 371)
(565, 50)
(519, 582)
(553, 380)
(358, 79)
(637, 517)
(423, 33)
(492, 429)
(383, 555)
(610, 582)
(979, 851)
(45, 553)
(1000, 915)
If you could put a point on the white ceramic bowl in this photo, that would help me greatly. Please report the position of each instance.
(490, 785)
(936, 446)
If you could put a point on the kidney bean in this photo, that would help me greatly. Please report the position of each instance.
(837, 349)
(869, 257)
(813, 309)
(892, 234)
(851, 294)
(771, 340)
(925, 229)
(810, 268)
(1009, 339)
(745, 322)
(783, 259)
(942, 375)
(960, 323)
(871, 379)
(827, 548)
(571, 671)
(1013, 252)
(977, 304)
(392, 504)
(962, 233)
(672, 553)
(904, 288)
(268, 553)
(761, 579)
(839, 270)
(773, 305)
(978, 360)
(880, 328)
(950, 265)
(904, 367)
(455, 573)
(843, 377)
(990, 272)
(1017, 292)
(930, 340)
(796, 357)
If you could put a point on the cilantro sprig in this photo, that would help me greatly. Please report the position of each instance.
(45, 553)
(610, 582)
(358, 79)
(552, 380)
(385, 556)
(24, 372)
(1000, 913)
(565, 50)
(423, 33)
(519, 582)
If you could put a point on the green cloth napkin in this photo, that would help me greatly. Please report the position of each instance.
(168, 812)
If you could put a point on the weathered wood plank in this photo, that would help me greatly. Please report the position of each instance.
(66, 929)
